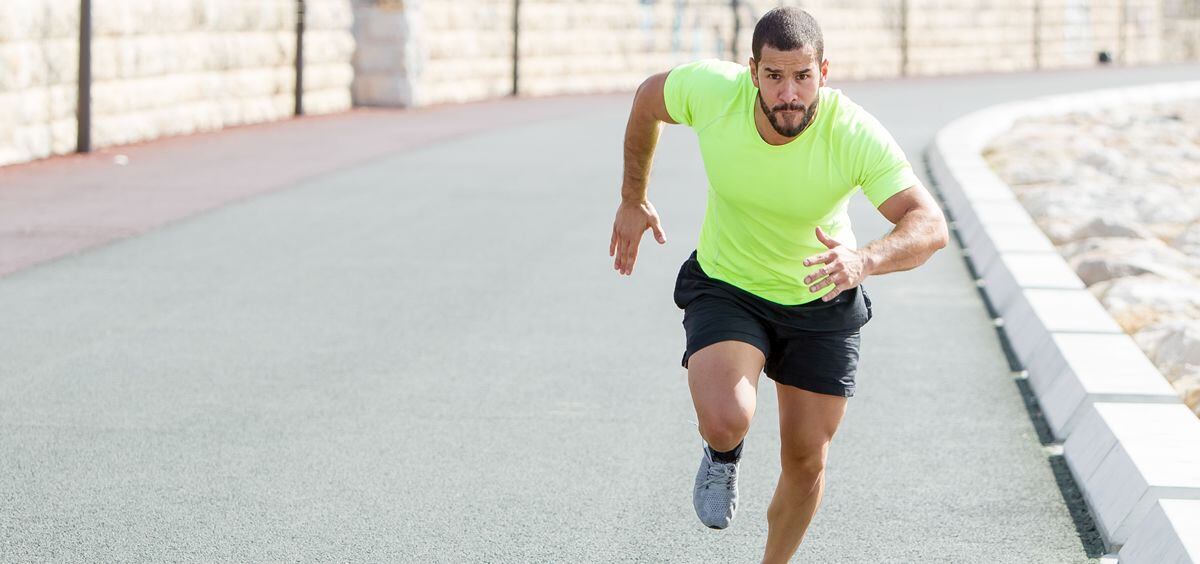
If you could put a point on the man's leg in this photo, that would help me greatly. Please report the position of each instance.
(723, 378)
(807, 423)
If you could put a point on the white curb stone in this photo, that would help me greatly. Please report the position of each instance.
(1036, 314)
(1128, 456)
(1013, 272)
(991, 215)
(1072, 371)
(1007, 239)
(1130, 442)
(1169, 534)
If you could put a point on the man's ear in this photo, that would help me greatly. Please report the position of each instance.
(824, 71)
(754, 71)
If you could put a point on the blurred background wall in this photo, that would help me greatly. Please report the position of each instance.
(166, 67)
(163, 67)
(39, 62)
(457, 51)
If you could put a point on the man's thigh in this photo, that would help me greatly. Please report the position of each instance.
(807, 421)
(723, 378)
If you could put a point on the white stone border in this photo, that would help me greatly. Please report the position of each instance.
(1132, 446)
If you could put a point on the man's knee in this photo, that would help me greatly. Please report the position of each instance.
(725, 430)
(723, 378)
(804, 463)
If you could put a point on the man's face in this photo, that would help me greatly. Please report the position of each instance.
(788, 82)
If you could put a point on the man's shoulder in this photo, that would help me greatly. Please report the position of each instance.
(710, 72)
(849, 118)
(698, 92)
(718, 66)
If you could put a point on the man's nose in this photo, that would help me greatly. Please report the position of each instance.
(790, 94)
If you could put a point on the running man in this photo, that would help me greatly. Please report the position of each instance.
(775, 281)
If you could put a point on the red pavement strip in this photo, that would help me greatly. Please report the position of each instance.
(64, 205)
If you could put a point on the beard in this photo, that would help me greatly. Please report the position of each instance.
(774, 119)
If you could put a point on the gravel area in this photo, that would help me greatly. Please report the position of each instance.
(1118, 192)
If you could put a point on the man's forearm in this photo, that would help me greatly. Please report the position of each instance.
(641, 137)
(917, 235)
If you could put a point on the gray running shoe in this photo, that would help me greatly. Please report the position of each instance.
(716, 495)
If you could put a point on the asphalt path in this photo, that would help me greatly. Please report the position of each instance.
(427, 357)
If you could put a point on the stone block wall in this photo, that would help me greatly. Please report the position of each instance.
(1071, 33)
(863, 38)
(164, 67)
(39, 58)
(574, 46)
(169, 67)
(415, 52)
(418, 52)
(1181, 30)
(467, 50)
(886, 38)
(958, 36)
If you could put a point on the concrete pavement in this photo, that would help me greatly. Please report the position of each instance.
(424, 355)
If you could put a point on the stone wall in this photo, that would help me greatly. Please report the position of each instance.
(574, 46)
(1181, 30)
(208, 64)
(39, 54)
(885, 38)
(950, 36)
(164, 67)
(863, 38)
(417, 52)
(427, 51)
(414, 52)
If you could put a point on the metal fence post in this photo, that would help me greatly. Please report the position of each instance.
(299, 57)
(903, 37)
(1037, 34)
(1122, 41)
(736, 5)
(516, 50)
(83, 109)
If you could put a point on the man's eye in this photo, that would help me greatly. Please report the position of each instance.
(804, 77)
(773, 76)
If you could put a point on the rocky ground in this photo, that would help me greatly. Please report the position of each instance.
(1118, 192)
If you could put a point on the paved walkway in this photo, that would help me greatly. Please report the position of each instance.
(410, 345)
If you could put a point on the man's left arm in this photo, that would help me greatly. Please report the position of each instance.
(920, 231)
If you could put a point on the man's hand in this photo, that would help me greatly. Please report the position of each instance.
(844, 268)
(633, 219)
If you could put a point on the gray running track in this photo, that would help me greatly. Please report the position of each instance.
(428, 358)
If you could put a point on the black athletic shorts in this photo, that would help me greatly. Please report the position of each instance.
(812, 346)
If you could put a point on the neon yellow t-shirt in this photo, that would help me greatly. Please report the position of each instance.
(765, 201)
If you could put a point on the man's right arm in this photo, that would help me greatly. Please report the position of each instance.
(641, 135)
(635, 214)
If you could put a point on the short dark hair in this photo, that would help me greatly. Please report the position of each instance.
(787, 28)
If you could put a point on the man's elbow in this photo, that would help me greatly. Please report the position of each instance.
(935, 234)
(643, 86)
(941, 231)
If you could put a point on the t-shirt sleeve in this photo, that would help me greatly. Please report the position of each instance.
(882, 169)
(696, 93)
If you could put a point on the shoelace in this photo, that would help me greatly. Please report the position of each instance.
(720, 474)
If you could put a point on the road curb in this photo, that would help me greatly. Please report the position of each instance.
(1132, 447)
